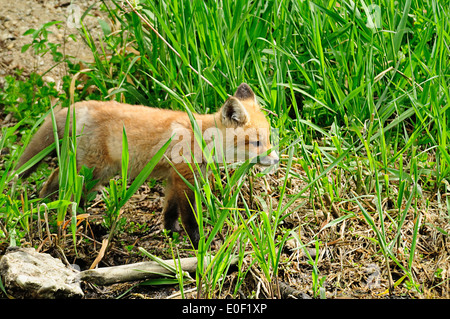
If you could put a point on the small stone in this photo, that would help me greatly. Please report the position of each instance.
(48, 79)
(28, 274)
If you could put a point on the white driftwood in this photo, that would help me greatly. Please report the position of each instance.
(134, 272)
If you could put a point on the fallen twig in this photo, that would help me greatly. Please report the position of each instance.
(137, 271)
(134, 272)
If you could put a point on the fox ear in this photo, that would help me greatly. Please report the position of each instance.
(244, 92)
(234, 113)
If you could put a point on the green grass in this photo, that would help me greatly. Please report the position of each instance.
(360, 101)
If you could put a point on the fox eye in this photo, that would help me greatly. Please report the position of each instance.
(256, 143)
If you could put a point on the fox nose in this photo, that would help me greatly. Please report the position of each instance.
(271, 159)
(274, 157)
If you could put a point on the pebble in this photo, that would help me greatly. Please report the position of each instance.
(48, 79)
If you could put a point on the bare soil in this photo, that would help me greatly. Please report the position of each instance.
(16, 17)
(348, 258)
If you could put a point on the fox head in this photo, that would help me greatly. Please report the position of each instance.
(237, 132)
(245, 129)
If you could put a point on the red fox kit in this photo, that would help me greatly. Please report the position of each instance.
(239, 128)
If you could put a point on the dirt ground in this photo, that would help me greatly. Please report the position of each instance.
(351, 263)
(16, 17)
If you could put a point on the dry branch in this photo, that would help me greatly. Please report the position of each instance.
(134, 272)
(137, 271)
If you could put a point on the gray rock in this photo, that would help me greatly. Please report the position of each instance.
(28, 274)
